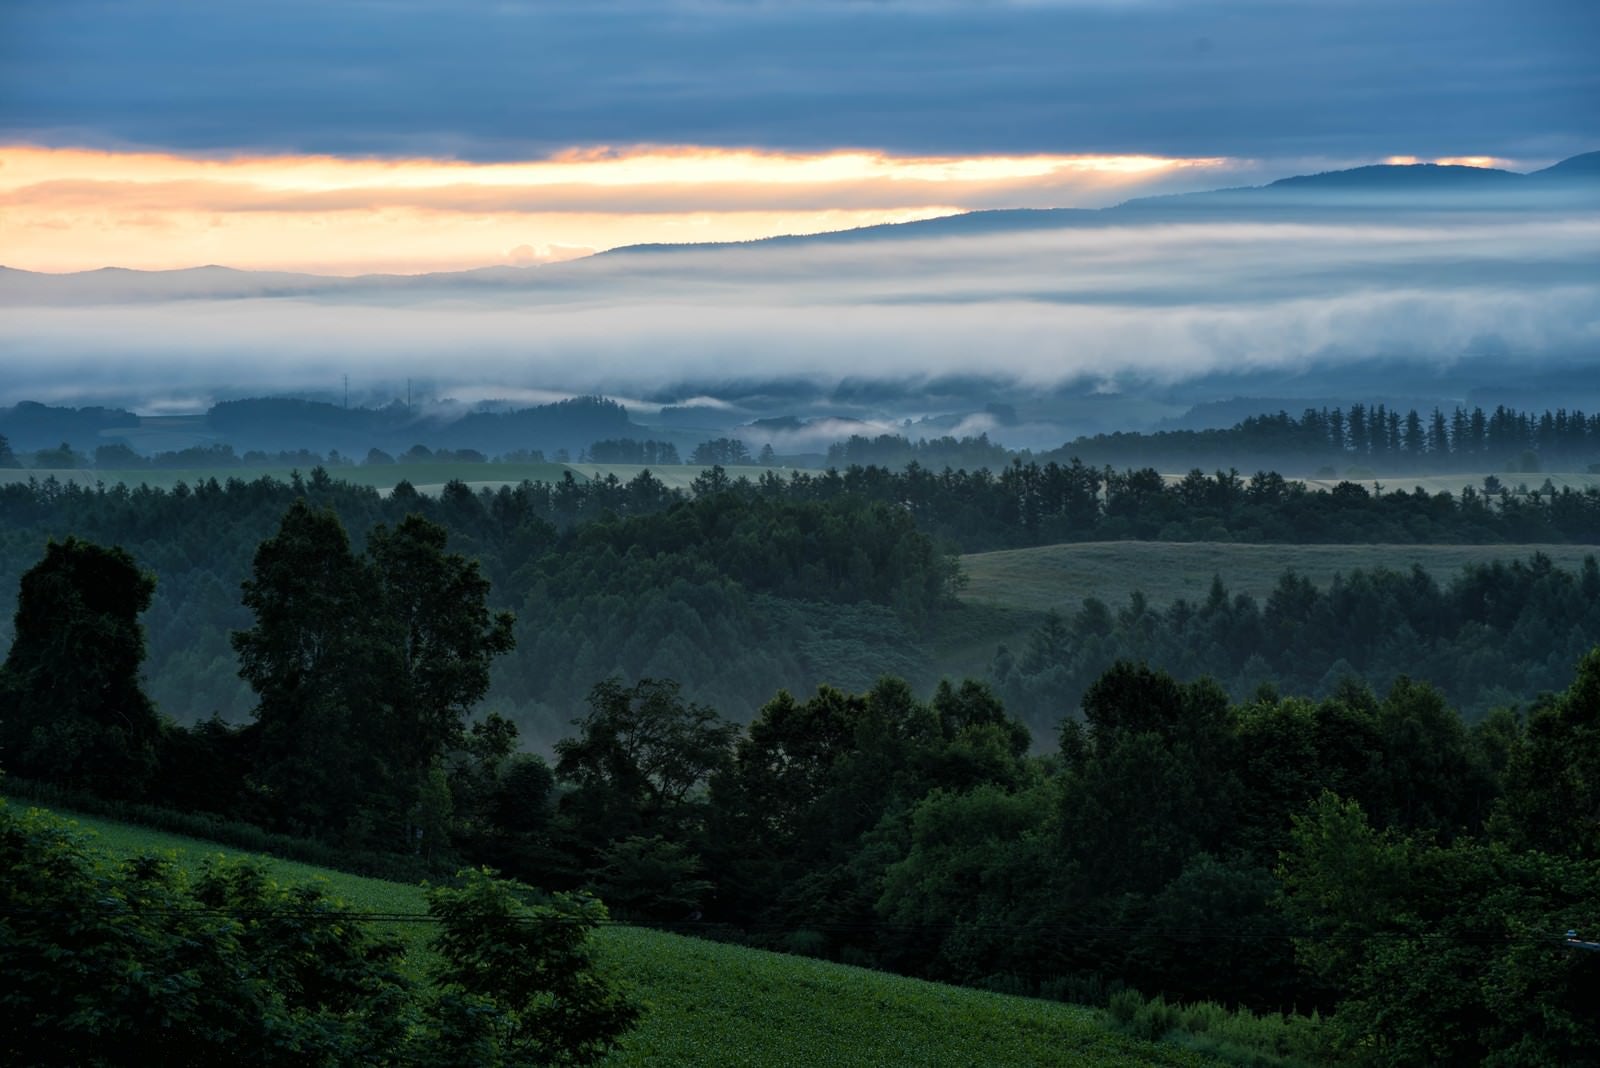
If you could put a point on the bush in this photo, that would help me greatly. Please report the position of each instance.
(140, 963)
(1237, 1036)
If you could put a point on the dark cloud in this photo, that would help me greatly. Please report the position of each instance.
(1335, 78)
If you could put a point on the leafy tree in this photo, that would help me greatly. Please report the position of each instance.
(640, 754)
(311, 660)
(117, 455)
(521, 975)
(725, 452)
(651, 877)
(72, 709)
(62, 456)
(435, 638)
(141, 963)
(1444, 955)
(138, 963)
(366, 668)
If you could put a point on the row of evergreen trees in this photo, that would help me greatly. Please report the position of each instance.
(1377, 436)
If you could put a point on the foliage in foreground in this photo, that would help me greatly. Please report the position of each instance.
(142, 962)
(712, 1005)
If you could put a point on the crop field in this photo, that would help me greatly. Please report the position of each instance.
(1059, 577)
(428, 478)
(1515, 481)
(713, 1004)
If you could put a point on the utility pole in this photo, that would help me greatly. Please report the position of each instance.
(347, 393)
(1574, 942)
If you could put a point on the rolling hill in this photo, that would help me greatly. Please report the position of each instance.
(710, 1004)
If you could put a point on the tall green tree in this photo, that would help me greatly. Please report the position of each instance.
(641, 753)
(366, 669)
(72, 709)
(311, 660)
(436, 636)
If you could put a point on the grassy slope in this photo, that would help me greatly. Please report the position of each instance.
(1060, 576)
(711, 1004)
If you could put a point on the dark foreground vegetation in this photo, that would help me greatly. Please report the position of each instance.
(1368, 856)
(144, 963)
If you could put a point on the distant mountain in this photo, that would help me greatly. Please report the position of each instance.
(1381, 187)
(30, 425)
(272, 423)
(1582, 168)
(1420, 177)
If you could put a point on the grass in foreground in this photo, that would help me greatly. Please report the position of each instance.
(711, 1004)
(1059, 577)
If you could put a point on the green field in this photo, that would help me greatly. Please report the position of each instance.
(427, 477)
(1514, 481)
(1059, 577)
(431, 477)
(713, 1004)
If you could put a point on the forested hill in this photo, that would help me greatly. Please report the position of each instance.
(732, 594)
(737, 589)
(1326, 442)
(1375, 437)
(272, 423)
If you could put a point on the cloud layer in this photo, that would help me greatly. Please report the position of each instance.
(1115, 304)
(519, 79)
(74, 209)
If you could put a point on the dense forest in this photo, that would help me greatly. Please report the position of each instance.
(1374, 437)
(1489, 637)
(1365, 855)
(737, 589)
(1364, 441)
(734, 594)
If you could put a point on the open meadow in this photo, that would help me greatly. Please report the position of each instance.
(714, 1004)
(426, 477)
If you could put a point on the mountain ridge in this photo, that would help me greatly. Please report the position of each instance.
(1580, 173)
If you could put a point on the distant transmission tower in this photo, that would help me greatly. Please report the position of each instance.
(347, 392)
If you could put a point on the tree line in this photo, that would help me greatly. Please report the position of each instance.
(1488, 637)
(790, 581)
(735, 596)
(1374, 436)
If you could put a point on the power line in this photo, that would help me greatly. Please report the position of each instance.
(1197, 933)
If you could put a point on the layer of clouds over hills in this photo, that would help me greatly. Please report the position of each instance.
(1316, 273)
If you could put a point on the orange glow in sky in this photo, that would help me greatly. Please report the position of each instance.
(78, 209)
(1454, 161)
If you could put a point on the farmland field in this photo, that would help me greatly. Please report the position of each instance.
(427, 477)
(1059, 577)
(714, 1004)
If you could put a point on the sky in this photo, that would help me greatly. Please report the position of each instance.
(406, 136)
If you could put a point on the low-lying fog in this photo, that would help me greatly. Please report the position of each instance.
(1122, 304)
